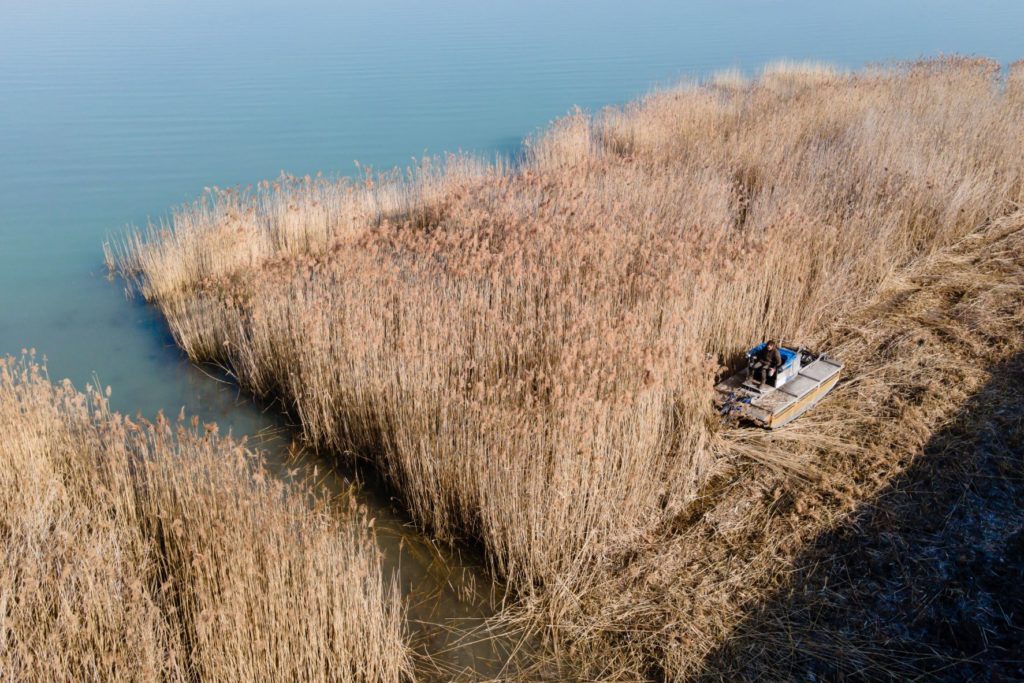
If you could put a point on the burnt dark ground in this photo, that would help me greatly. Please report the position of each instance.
(926, 582)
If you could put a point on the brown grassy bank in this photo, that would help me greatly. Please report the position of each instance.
(159, 552)
(527, 352)
(879, 542)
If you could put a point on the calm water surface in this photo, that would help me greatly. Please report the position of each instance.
(113, 112)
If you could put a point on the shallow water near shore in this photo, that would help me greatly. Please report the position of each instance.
(112, 115)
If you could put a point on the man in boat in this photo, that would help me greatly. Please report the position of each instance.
(766, 363)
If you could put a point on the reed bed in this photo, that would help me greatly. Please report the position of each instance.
(527, 352)
(730, 587)
(132, 551)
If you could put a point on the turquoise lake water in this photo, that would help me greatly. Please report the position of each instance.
(113, 112)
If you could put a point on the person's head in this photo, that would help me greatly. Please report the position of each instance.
(770, 344)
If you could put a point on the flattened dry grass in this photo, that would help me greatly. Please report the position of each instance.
(155, 552)
(527, 353)
(720, 590)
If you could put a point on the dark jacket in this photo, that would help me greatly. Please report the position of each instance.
(771, 357)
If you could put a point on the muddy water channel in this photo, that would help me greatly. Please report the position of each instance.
(112, 113)
(448, 593)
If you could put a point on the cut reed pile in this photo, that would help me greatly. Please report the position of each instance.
(132, 551)
(527, 352)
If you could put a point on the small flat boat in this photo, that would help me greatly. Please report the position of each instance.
(803, 379)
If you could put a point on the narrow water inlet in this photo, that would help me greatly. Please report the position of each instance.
(448, 592)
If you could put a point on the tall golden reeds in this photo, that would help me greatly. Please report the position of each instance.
(132, 551)
(527, 352)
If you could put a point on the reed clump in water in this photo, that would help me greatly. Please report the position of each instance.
(527, 353)
(160, 552)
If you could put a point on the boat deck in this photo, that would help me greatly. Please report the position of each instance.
(773, 407)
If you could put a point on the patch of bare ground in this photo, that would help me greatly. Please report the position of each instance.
(878, 537)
